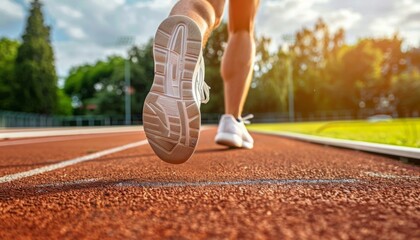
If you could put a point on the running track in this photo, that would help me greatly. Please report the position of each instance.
(112, 186)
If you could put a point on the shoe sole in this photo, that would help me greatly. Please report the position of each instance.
(171, 116)
(231, 140)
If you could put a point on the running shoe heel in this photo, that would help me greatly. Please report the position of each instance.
(171, 113)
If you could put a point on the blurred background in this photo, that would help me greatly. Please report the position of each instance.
(90, 63)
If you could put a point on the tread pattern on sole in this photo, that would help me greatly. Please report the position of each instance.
(171, 116)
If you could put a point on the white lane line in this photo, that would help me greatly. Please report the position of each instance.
(67, 138)
(198, 184)
(236, 183)
(52, 167)
(66, 132)
(33, 133)
(390, 176)
(72, 183)
(51, 139)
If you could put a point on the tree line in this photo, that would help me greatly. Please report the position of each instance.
(327, 74)
(330, 75)
(28, 79)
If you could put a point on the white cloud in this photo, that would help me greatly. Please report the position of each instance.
(404, 19)
(360, 18)
(103, 22)
(94, 27)
(68, 11)
(69, 54)
(155, 4)
(88, 30)
(10, 11)
(76, 33)
(279, 18)
(342, 18)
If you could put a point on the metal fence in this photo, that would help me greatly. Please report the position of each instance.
(16, 119)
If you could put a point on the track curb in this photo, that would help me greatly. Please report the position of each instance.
(393, 150)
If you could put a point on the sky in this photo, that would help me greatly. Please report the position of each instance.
(85, 31)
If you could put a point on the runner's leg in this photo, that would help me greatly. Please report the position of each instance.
(238, 59)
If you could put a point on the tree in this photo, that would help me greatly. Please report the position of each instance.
(312, 50)
(8, 53)
(406, 89)
(359, 76)
(35, 76)
(269, 86)
(91, 87)
(393, 64)
(98, 89)
(64, 107)
(391, 49)
(405, 86)
(142, 72)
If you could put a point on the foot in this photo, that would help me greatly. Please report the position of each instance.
(171, 113)
(233, 133)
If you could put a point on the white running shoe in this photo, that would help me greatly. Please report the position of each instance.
(171, 113)
(233, 133)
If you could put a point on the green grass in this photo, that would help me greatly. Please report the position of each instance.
(401, 132)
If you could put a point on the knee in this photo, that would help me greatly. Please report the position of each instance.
(242, 15)
(210, 11)
(218, 7)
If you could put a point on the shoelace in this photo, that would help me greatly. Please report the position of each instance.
(247, 118)
(205, 93)
(205, 89)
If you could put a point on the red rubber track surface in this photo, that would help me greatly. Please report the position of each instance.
(282, 189)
